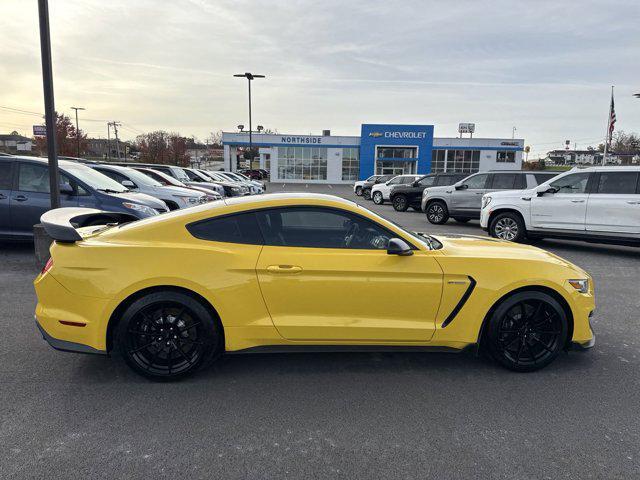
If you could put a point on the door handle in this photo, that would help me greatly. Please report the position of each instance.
(479, 193)
(20, 198)
(630, 203)
(286, 269)
(577, 201)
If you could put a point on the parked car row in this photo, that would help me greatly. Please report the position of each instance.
(139, 189)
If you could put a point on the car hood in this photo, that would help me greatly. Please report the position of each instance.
(173, 190)
(141, 198)
(512, 193)
(487, 247)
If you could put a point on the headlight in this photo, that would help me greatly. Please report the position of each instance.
(486, 201)
(581, 285)
(140, 208)
(188, 200)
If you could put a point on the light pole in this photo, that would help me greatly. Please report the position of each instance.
(249, 77)
(49, 105)
(513, 132)
(77, 130)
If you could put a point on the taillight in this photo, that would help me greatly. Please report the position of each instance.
(47, 266)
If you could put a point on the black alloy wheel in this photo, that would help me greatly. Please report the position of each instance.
(400, 203)
(527, 331)
(366, 194)
(437, 213)
(359, 191)
(167, 335)
(378, 199)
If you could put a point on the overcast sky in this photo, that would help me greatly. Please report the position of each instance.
(544, 66)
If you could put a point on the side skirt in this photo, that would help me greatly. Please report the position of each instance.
(347, 349)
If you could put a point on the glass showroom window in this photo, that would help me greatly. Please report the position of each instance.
(463, 161)
(506, 157)
(350, 163)
(437, 161)
(302, 163)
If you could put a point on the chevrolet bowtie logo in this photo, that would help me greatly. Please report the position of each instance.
(375, 134)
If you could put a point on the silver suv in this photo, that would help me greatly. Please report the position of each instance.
(462, 201)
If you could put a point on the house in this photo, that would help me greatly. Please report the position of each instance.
(580, 157)
(15, 143)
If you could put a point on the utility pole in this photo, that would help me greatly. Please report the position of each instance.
(77, 130)
(513, 133)
(115, 125)
(49, 105)
(249, 77)
(108, 141)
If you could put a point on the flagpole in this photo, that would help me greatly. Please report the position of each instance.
(606, 135)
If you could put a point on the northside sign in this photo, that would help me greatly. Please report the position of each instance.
(408, 135)
(298, 140)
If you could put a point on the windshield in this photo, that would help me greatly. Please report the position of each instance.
(94, 179)
(181, 174)
(140, 178)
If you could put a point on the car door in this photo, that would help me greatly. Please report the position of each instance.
(565, 209)
(325, 275)
(467, 198)
(6, 184)
(31, 198)
(613, 205)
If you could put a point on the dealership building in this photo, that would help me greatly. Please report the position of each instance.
(380, 149)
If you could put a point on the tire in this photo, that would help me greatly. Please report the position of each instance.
(359, 191)
(527, 331)
(461, 219)
(168, 335)
(437, 212)
(366, 194)
(378, 199)
(400, 203)
(508, 226)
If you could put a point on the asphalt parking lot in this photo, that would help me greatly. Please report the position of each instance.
(339, 415)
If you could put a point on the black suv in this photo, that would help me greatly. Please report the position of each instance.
(366, 187)
(404, 196)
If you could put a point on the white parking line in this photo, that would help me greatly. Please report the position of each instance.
(283, 185)
(330, 187)
(306, 185)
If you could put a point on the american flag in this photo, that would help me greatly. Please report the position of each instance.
(612, 118)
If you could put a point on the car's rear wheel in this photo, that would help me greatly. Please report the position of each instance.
(400, 203)
(527, 331)
(359, 191)
(366, 193)
(437, 213)
(168, 335)
(378, 199)
(508, 226)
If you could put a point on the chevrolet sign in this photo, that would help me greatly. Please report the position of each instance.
(409, 135)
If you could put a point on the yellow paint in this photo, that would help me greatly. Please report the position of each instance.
(287, 296)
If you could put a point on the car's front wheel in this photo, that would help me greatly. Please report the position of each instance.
(168, 335)
(400, 203)
(359, 191)
(378, 199)
(508, 226)
(527, 331)
(437, 213)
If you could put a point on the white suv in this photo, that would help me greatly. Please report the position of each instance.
(597, 204)
(382, 191)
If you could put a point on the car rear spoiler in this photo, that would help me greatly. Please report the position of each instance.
(61, 223)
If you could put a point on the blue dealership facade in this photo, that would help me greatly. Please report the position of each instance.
(380, 149)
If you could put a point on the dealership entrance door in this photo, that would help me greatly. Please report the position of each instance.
(396, 160)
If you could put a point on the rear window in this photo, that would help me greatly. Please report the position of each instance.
(240, 228)
(617, 183)
(6, 179)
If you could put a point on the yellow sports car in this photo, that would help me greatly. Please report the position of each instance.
(172, 293)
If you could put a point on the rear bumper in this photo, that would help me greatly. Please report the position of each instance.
(65, 346)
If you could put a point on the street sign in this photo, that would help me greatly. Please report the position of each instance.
(466, 127)
(40, 130)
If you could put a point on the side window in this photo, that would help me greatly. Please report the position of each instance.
(6, 175)
(395, 181)
(240, 228)
(617, 182)
(408, 180)
(542, 177)
(427, 182)
(477, 181)
(321, 228)
(574, 183)
(505, 181)
(33, 178)
(192, 176)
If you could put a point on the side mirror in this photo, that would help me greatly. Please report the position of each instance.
(546, 189)
(397, 246)
(66, 189)
(128, 184)
(461, 186)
